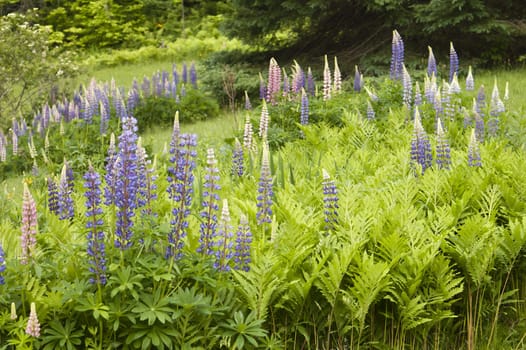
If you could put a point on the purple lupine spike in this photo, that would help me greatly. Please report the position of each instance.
(371, 115)
(52, 199)
(326, 80)
(14, 142)
(311, 86)
(357, 85)
(180, 190)
(133, 99)
(176, 131)
(493, 126)
(443, 157)
(210, 205)
(262, 88)
(274, 81)
(242, 248)
(126, 183)
(28, 240)
(224, 243)
(431, 63)
(453, 62)
(481, 102)
(470, 81)
(175, 75)
(33, 325)
(111, 175)
(418, 95)
(15, 126)
(479, 127)
(474, 159)
(298, 79)
(2, 265)
(265, 192)
(421, 155)
(66, 208)
(286, 84)
(104, 119)
(337, 77)
(144, 180)
(397, 56)
(264, 121)
(330, 201)
(96, 248)
(183, 91)
(248, 105)
(193, 75)
(70, 176)
(304, 108)
(184, 74)
(238, 160)
(146, 87)
(407, 88)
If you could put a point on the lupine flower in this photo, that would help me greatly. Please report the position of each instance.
(286, 84)
(66, 208)
(111, 174)
(265, 193)
(446, 100)
(418, 95)
(408, 87)
(262, 88)
(479, 127)
(443, 157)
(2, 265)
(397, 56)
(431, 63)
(430, 88)
(274, 81)
(330, 201)
(453, 62)
(264, 121)
(326, 80)
(298, 78)
(493, 126)
(210, 205)
(193, 75)
(311, 86)
(248, 105)
(180, 190)
(126, 183)
(33, 326)
(52, 198)
(420, 146)
(184, 73)
(238, 159)
(474, 159)
(242, 247)
(455, 85)
(304, 109)
(437, 104)
(29, 225)
(481, 102)
(370, 111)
(34, 169)
(248, 135)
(175, 76)
(470, 82)
(371, 94)
(96, 249)
(3, 150)
(13, 315)
(357, 85)
(337, 77)
(224, 243)
(14, 141)
(146, 180)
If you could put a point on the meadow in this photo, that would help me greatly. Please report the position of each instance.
(366, 213)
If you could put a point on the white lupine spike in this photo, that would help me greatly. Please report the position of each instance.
(506, 92)
(326, 80)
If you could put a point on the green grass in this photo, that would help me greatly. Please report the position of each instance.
(517, 87)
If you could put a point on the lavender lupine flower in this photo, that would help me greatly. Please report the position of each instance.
(397, 57)
(493, 126)
(453, 62)
(431, 63)
(96, 249)
(126, 183)
(14, 142)
(407, 87)
(224, 242)
(474, 159)
(242, 248)
(52, 199)
(193, 75)
(133, 99)
(337, 77)
(180, 190)
(421, 155)
(470, 82)
(29, 226)
(437, 104)
(430, 88)
(175, 75)
(418, 95)
(311, 86)
(33, 326)
(111, 175)
(357, 85)
(455, 85)
(371, 94)
(286, 84)
(238, 160)
(264, 121)
(265, 193)
(70, 177)
(210, 205)
(248, 105)
(146, 180)
(326, 81)
(274, 81)
(248, 135)
(2, 265)
(481, 102)
(104, 119)
(330, 201)
(262, 88)
(66, 208)
(304, 109)
(443, 157)
(3, 150)
(370, 111)
(479, 127)
(446, 100)
(184, 74)
(298, 78)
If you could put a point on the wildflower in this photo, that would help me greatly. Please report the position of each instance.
(265, 193)
(357, 85)
(193, 75)
(29, 225)
(180, 190)
(474, 159)
(326, 81)
(479, 127)
(96, 248)
(454, 86)
(397, 56)
(470, 82)
(111, 176)
(371, 94)
(337, 77)
(274, 81)
(310, 83)
(443, 157)
(420, 146)
(370, 111)
(184, 73)
(481, 102)
(407, 88)
(248, 134)
(418, 95)
(14, 141)
(175, 75)
(52, 191)
(210, 204)
(431, 63)
(13, 315)
(65, 202)
(330, 201)
(264, 121)
(453, 62)
(145, 180)
(298, 78)
(33, 326)
(262, 88)
(242, 247)
(437, 104)
(286, 84)
(304, 109)
(248, 105)
(237, 159)
(2, 265)
(224, 243)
